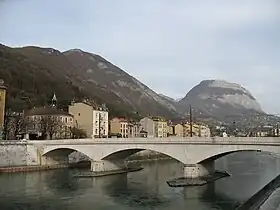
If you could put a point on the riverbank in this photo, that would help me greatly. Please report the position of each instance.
(261, 196)
(185, 182)
(30, 168)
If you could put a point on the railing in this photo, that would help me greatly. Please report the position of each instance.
(169, 140)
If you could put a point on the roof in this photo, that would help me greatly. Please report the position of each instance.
(46, 111)
(159, 118)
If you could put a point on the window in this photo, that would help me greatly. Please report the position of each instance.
(79, 114)
(96, 131)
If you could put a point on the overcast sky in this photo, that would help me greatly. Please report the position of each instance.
(170, 45)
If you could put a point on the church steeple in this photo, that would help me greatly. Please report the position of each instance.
(54, 100)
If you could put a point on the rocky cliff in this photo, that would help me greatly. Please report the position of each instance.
(221, 99)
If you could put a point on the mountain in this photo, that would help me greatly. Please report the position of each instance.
(220, 99)
(33, 74)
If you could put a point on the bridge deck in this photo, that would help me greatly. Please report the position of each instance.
(170, 140)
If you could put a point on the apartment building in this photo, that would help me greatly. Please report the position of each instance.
(147, 127)
(160, 126)
(119, 126)
(48, 123)
(134, 129)
(197, 130)
(91, 118)
(180, 130)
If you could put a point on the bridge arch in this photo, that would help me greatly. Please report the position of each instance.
(60, 155)
(65, 151)
(214, 155)
(124, 153)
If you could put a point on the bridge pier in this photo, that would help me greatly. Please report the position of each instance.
(107, 166)
(199, 170)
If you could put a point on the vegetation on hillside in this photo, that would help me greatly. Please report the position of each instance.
(32, 84)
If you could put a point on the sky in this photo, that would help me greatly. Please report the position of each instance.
(169, 45)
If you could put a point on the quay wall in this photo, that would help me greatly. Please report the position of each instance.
(18, 154)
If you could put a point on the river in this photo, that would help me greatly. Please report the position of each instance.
(145, 190)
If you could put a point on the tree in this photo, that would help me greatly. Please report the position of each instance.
(78, 133)
(49, 126)
(16, 125)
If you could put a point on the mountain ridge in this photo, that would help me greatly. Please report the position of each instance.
(91, 75)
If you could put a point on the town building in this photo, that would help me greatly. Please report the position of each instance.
(160, 125)
(171, 130)
(180, 130)
(48, 123)
(204, 131)
(147, 127)
(134, 129)
(91, 118)
(197, 130)
(2, 106)
(119, 127)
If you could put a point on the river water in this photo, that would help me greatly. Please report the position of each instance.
(145, 190)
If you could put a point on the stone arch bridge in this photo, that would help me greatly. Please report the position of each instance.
(196, 153)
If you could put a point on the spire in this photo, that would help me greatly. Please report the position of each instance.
(54, 100)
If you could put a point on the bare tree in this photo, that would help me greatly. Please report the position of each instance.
(49, 126)
(16, 125)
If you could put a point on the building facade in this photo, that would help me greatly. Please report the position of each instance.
(160, 125)
(119, 127)
(93, 120)
(180, 130)
(100, 123)
(2, 105)
(134, 129)
(147, 126)
(48, 123)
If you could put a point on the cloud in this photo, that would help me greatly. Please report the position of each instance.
(169, 45)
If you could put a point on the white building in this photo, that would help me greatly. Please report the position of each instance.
(93, 120)
(100, 123)
(205, 131)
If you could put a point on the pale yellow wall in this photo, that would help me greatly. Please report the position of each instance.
(160, 129)
(179, 130)
(124, 129)
(82, 117)
(115, 126)
(2, 106)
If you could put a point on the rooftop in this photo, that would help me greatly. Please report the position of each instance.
(46, 111)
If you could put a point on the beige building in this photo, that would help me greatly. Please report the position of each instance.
(147, 127)
(48, 123)
(197, 130)
(160, 127)
(2, 103)
(119, 126)
(93, 120)
(180, 130)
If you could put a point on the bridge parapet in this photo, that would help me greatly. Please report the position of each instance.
(168, 140)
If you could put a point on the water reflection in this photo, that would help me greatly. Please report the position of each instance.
(146, 189)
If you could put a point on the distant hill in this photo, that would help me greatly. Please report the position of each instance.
(221, 100)
(33, 74)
